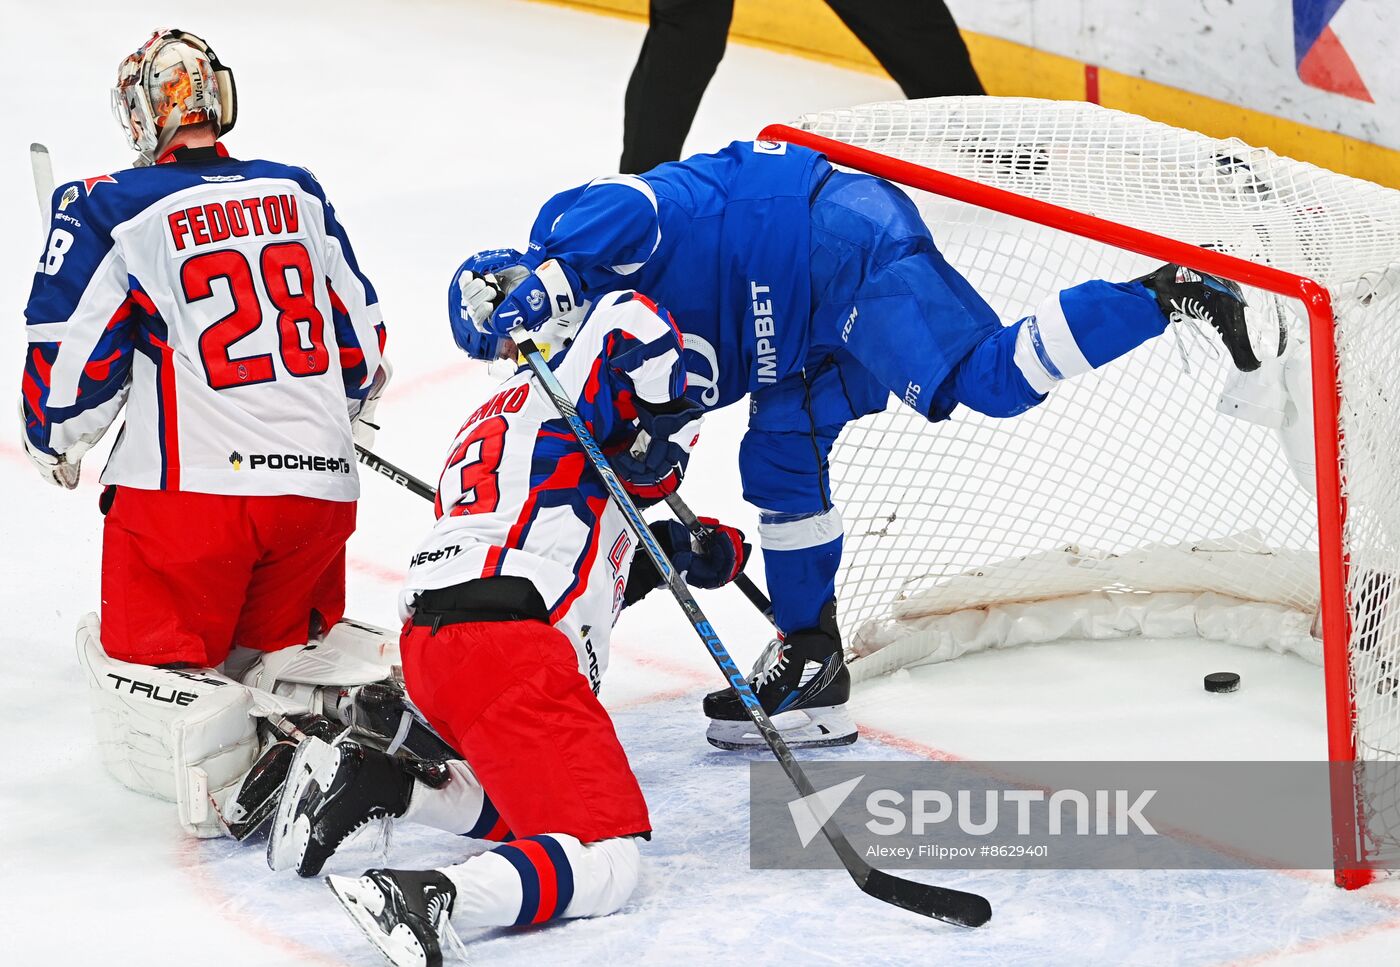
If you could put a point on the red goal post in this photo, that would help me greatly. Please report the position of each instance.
(1314, 297)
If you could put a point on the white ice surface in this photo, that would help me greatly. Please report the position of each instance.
(438, 128)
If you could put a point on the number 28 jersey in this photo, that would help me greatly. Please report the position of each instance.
(220, 302)
(518, 496)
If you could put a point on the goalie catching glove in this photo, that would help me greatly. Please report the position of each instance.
(654, 464)
(59, 469)
(363, 421)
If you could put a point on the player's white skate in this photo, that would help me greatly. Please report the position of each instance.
(802, 683)
(404, 913)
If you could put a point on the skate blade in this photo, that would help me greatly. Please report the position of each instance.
(312, 761)
(256, 816)
(800, 729)
(255, 820)
(395, 949)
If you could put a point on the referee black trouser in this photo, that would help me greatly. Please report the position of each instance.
(917, 41)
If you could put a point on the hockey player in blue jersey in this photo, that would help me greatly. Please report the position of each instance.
(818, 293)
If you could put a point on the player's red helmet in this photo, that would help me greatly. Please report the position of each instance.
(173, 80)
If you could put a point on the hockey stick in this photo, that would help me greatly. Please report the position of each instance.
(702, 533)
(42, 165)
(399, 476)
(941, 903)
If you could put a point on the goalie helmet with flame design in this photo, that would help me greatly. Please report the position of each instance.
(175, 79)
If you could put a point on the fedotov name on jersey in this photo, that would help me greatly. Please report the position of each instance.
(235, 218)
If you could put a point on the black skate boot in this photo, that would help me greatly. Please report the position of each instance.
(1188, 296)
(404, 913)
(382, 710)
(261, 789)
(331, 791)
(803, 685)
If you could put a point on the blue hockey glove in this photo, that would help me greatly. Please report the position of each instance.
(549, 292)
(654, 464)
(709, 563)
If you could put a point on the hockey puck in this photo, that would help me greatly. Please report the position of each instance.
(1222, 682)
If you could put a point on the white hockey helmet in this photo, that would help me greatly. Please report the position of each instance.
(173, 80)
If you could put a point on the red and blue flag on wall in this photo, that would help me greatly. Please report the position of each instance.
(1322, 60)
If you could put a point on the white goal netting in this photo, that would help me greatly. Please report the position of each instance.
(1136, 478)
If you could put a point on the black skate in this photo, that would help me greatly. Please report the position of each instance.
(404, 913)
(1191, 297)
(261, 789)
(382, 710)
(803, 685)
(331, 791)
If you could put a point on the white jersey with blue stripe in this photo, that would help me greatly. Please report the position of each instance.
(219, 302)
(517, 496)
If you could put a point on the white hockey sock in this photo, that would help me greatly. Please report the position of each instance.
(459, 807)
(542, 878)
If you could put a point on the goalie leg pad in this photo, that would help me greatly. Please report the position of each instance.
(351, 654)
(352, 676)
(133, 707)
(185, 736)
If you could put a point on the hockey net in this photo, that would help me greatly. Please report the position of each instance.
(1157, 496)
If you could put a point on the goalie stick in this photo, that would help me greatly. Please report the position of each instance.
(42, 166)
(941, 903)
(398, 475)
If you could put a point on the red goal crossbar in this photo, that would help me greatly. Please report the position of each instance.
(1348, 825)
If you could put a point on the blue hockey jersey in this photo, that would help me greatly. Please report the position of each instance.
(774, 264)
(723, 239)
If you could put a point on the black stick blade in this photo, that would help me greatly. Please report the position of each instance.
(939, 902)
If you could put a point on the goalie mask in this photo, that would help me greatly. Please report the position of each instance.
(175, 79)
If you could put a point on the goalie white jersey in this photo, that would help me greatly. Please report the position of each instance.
(220, 302)
(518, 496)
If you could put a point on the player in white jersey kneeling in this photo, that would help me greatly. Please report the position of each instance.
(218, 302)
(509, 603)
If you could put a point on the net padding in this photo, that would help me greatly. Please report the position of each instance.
(1133, 468)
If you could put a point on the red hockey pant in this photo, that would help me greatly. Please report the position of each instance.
(509, 696)
(186, 576)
